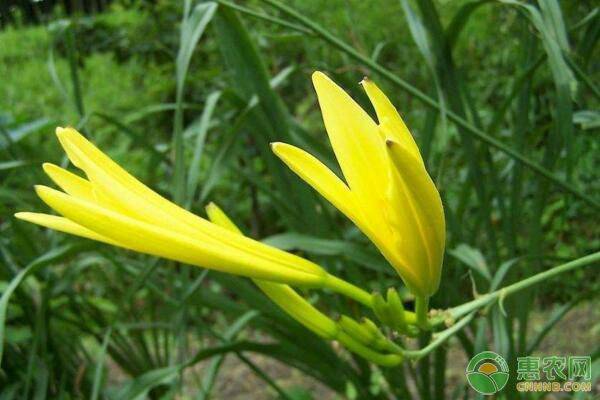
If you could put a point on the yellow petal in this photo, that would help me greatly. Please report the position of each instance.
(146, 238)
(217, 216)
(425, 207)
(356, 142)
(113, 193)
(299, 309)
(118, 190)
(321, 178)
(392, 125)
(69, 182)
(63, 225)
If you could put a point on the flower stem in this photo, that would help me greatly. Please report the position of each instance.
(347, 289)
(439, 338)
(365, 298)
(486, 299)
(421, 309)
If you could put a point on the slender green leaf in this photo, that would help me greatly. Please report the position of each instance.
(473, 259)
(192, 27)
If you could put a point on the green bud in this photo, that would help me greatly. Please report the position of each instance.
(381, 309)
(396, 310)
(356, 330)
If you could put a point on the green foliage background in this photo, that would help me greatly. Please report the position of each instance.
(525, 75)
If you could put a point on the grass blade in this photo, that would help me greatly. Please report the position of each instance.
(192, 27)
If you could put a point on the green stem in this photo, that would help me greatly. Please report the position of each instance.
(386, 360)
(421, 309)
(349, 290)
(466, 308)
(430, 102)
(469, 309)
(438, 339)
(259, 15)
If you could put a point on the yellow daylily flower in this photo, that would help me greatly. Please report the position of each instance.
(113, 207)
(388, 193)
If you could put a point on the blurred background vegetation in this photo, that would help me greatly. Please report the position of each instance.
(82, 320)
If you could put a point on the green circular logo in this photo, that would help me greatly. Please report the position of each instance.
(487, 372)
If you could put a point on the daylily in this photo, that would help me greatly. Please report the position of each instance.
(113, 207)
(387, 191)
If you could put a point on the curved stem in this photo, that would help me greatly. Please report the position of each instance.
(463, 309)
(266, 17)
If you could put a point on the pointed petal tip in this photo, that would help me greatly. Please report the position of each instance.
(319, 79)
(22, 215)
(63, 136)
(44, 191)
(66, 133)
(49, 167)
(210, 206)
(275, 146)
(365, 80)
(39, 188)
(318, 75)
(63, 129)
(28, 216)
(62, 132)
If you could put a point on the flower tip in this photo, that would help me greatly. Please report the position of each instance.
(365, 80)
(39, 188)
(21, 215)
(49, 167)
(319, 79)
(66, 133)
(44, 191)
(62, 132)
(318, 75)
(275, 146)
(210, 207)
